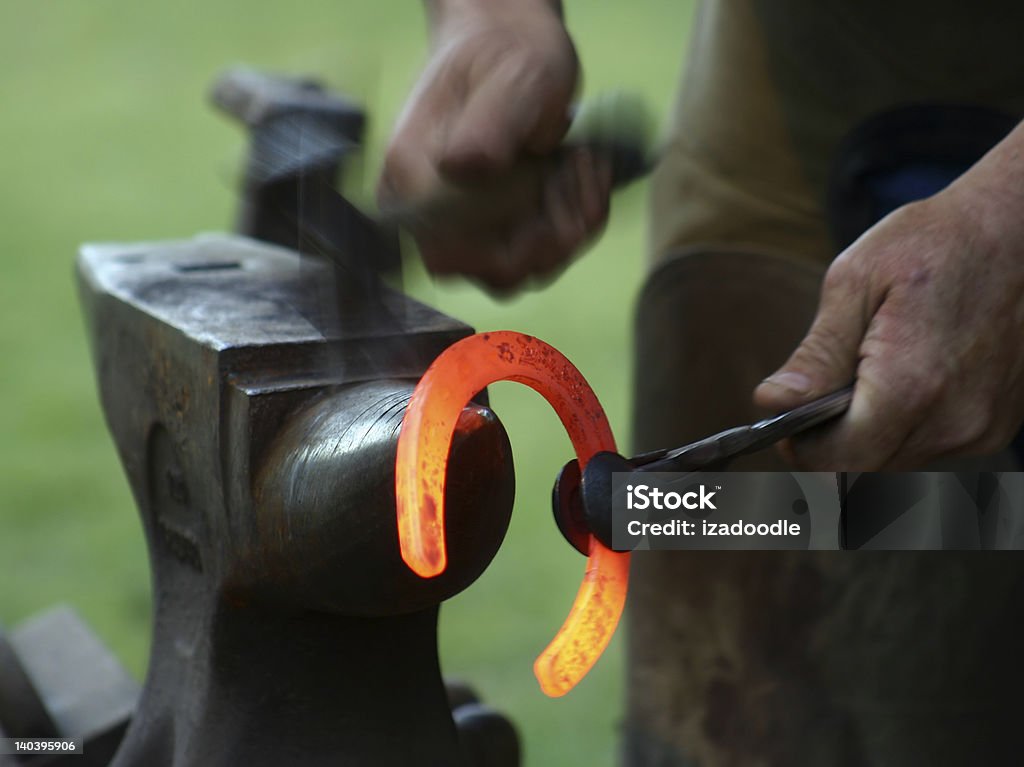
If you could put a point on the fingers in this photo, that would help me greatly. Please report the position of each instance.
(826, 359)
(904, 411)
(495, 89)
(851, 337)
(509, 113)
(576, 202)
(872, 433)
(571, 208)
(471, 152)
(926, 306)
(574, 209)
(594, 180)
(410, 168)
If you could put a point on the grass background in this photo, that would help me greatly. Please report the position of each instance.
(105, 135)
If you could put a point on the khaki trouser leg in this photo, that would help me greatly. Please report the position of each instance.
(793, 659)
(786, 659)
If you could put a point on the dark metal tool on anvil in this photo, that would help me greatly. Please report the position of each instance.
(582, 501)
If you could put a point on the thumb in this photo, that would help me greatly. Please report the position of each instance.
(827, 358)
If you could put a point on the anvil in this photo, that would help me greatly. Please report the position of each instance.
(260, 454)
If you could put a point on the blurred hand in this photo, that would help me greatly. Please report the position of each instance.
(493, 100)
(926, 311)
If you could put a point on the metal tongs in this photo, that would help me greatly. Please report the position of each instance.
(582, 502)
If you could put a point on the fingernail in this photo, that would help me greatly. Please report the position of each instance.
(797, 383)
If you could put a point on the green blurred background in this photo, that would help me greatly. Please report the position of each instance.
(106, 136)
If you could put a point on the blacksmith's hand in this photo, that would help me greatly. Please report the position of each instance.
(493, 101)
(926, 312)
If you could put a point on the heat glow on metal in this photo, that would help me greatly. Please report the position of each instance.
(458, 374)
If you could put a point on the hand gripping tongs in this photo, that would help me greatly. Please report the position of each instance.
(582, 502)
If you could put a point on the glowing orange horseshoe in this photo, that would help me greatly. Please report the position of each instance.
(461, 371)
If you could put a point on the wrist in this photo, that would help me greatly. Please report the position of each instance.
(439, 11)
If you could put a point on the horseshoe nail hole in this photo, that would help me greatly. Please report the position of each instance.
(208, 266)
